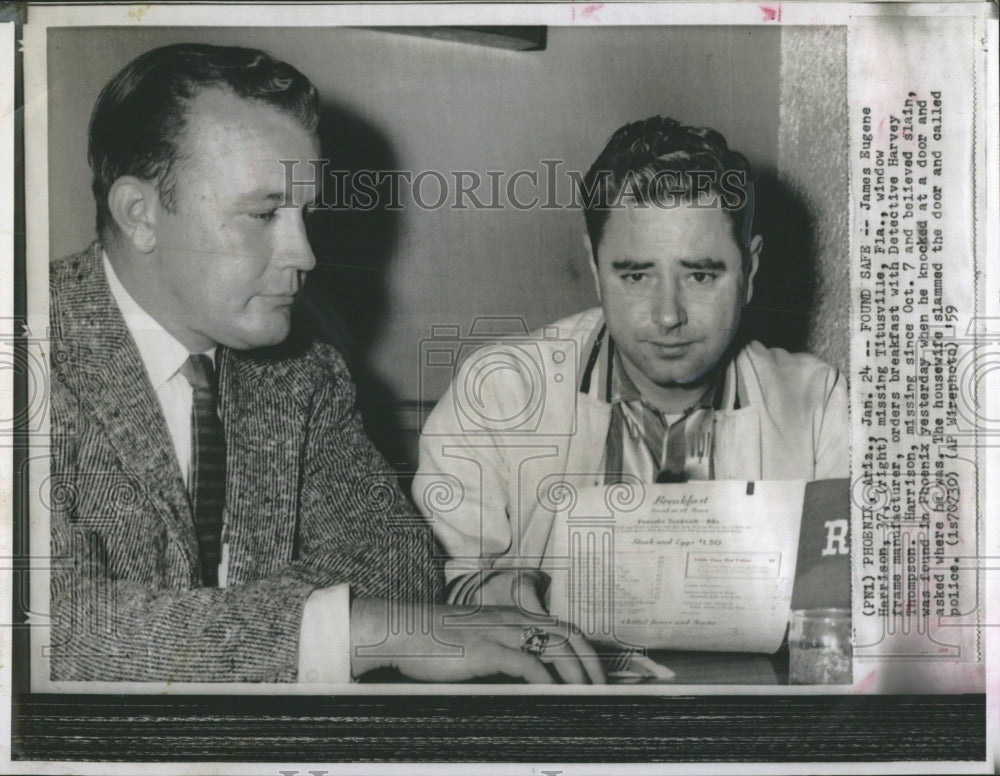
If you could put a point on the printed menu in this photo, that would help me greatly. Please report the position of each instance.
(694, 566)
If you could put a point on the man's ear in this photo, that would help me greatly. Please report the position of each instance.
(592, 263)
(752, 263)
(133, 204)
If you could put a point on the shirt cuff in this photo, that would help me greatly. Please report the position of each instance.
(325, 638)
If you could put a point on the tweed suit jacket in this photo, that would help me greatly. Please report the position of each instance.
(309, 503)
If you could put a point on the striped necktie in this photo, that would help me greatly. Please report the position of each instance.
(207, 484)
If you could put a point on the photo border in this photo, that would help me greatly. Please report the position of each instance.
(427, 728)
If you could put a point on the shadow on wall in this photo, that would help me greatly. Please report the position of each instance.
(345, 299)
(783, 303)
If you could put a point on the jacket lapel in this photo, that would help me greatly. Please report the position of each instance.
(586, 446)
(115, 386)
(737, 454)
(579, 466)
(265, 418)
(737, 445)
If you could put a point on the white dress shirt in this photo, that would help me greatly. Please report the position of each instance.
(163, 356)
(324, 640)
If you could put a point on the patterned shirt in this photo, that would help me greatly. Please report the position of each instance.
(642, 441)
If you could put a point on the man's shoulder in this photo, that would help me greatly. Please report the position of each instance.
(75, 271)
(573, 328)
(567, 336)
(81, 306)
(85, 259)
(323, 362)
(578, 326)
(778, 369)
(296, 365)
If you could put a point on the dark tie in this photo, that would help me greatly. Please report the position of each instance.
(208, 465)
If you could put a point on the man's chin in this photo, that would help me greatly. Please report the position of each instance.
(251, 338)
(680, 378)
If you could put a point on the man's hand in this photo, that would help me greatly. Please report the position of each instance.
(440, 643)
(520, 588)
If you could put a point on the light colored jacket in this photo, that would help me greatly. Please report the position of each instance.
(514, 434)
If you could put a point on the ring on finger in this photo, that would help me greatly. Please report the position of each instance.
(534, 641)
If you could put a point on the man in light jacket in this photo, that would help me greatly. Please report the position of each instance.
(656, 383)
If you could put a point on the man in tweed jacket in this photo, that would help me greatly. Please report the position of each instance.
(302, 500)
(202, 252)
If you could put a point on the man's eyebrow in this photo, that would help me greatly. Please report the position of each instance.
(705, 264)
(631, 265)
(275, 198)
(262, 195)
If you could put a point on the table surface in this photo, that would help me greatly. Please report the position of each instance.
(689, 668)
(724, 667)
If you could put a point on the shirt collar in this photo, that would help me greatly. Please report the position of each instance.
(722, 394)
(622, 387)
(161, 352)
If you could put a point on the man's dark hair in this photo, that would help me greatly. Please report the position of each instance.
(139, 120)
(660, 162)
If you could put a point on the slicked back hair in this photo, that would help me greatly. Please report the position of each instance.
(139, 122)
(660, 162)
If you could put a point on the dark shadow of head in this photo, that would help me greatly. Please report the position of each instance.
(354, 236)
(782, 307)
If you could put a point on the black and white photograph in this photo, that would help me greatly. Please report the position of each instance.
(562, 386)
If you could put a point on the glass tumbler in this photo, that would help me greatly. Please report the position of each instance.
(819, 646)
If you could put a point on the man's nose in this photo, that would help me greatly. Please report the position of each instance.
(294, 250)
(668, 307)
